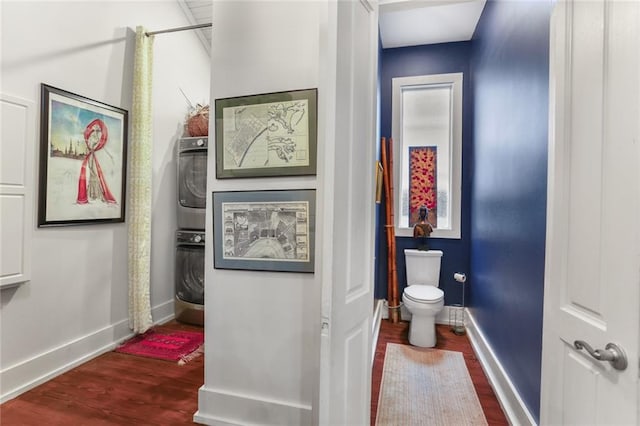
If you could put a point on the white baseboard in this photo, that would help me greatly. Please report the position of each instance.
(405, 315)
(220, 407)
(204, 419)
(444, 317)
(164, 312)
(375, 330)
(28, 374)
(509, 398)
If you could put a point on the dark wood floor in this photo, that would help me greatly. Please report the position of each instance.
(121, 389)
(446, 340)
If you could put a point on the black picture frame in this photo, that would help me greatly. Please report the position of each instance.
(264, 230)
(266, 135)
(83, 160)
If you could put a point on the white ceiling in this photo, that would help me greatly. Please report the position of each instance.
(416, 22)
(199, 12)
(402, 22)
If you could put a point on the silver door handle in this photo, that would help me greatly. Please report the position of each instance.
(612, 353)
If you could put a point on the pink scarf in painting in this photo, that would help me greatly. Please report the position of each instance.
(82, 181)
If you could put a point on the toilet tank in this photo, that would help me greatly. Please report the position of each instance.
(423, 267)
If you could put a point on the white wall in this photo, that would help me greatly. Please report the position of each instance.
(76, 303)
(262, 328)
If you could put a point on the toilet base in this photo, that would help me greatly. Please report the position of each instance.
(422, 331)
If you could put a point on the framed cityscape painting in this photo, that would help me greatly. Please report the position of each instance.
(83, 157)
(272, 134)
(264, 230)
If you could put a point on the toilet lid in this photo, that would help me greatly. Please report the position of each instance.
(424, 293)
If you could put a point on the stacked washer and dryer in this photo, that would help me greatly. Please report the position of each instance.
(190, 236)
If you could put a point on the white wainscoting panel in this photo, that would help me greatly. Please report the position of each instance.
(17, 169)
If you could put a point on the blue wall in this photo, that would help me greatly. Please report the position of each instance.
(510, 69)
(423, 60)
(504, 160)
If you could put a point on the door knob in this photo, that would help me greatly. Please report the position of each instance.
(612, 353)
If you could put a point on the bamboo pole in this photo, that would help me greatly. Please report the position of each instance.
(392, 292)
(385, 179)
(394, 273)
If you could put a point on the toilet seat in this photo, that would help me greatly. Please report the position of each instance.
(426, 294)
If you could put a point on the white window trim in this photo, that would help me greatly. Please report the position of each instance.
(455, 80)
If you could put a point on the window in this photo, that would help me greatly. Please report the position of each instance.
(427, 134)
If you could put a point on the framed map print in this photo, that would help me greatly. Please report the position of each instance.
(272, 134)
(264, 230)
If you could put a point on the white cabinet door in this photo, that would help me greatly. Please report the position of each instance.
(592, 283)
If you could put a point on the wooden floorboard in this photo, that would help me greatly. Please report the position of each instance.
(446, 340)
(122, 389)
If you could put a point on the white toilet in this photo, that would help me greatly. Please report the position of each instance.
(422, 297)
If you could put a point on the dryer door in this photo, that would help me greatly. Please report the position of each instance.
(192, 179)
(190, 273)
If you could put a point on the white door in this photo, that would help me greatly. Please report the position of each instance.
(348, 210)
(592, 281)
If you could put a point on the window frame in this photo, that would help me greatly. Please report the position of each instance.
(453, 80)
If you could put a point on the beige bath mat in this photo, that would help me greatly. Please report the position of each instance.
(426, 387)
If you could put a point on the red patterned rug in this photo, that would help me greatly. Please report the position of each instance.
(181, 346)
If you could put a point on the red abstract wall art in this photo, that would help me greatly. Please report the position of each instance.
(423, 185)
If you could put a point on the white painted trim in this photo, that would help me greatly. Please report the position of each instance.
(556, 167)
(375, 330)
(508, 397)
(257, 410)
(455, 81)
(638, 133)
(405, 315)
(28, 374)
(35, 371)
(164, 312)
(211, 420)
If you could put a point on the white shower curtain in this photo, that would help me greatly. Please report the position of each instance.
(139, 186)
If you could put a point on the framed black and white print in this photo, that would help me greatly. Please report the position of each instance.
(264, 230)
(272, 134)
(83, 159)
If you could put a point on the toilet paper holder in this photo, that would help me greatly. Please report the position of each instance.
(456, 311)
